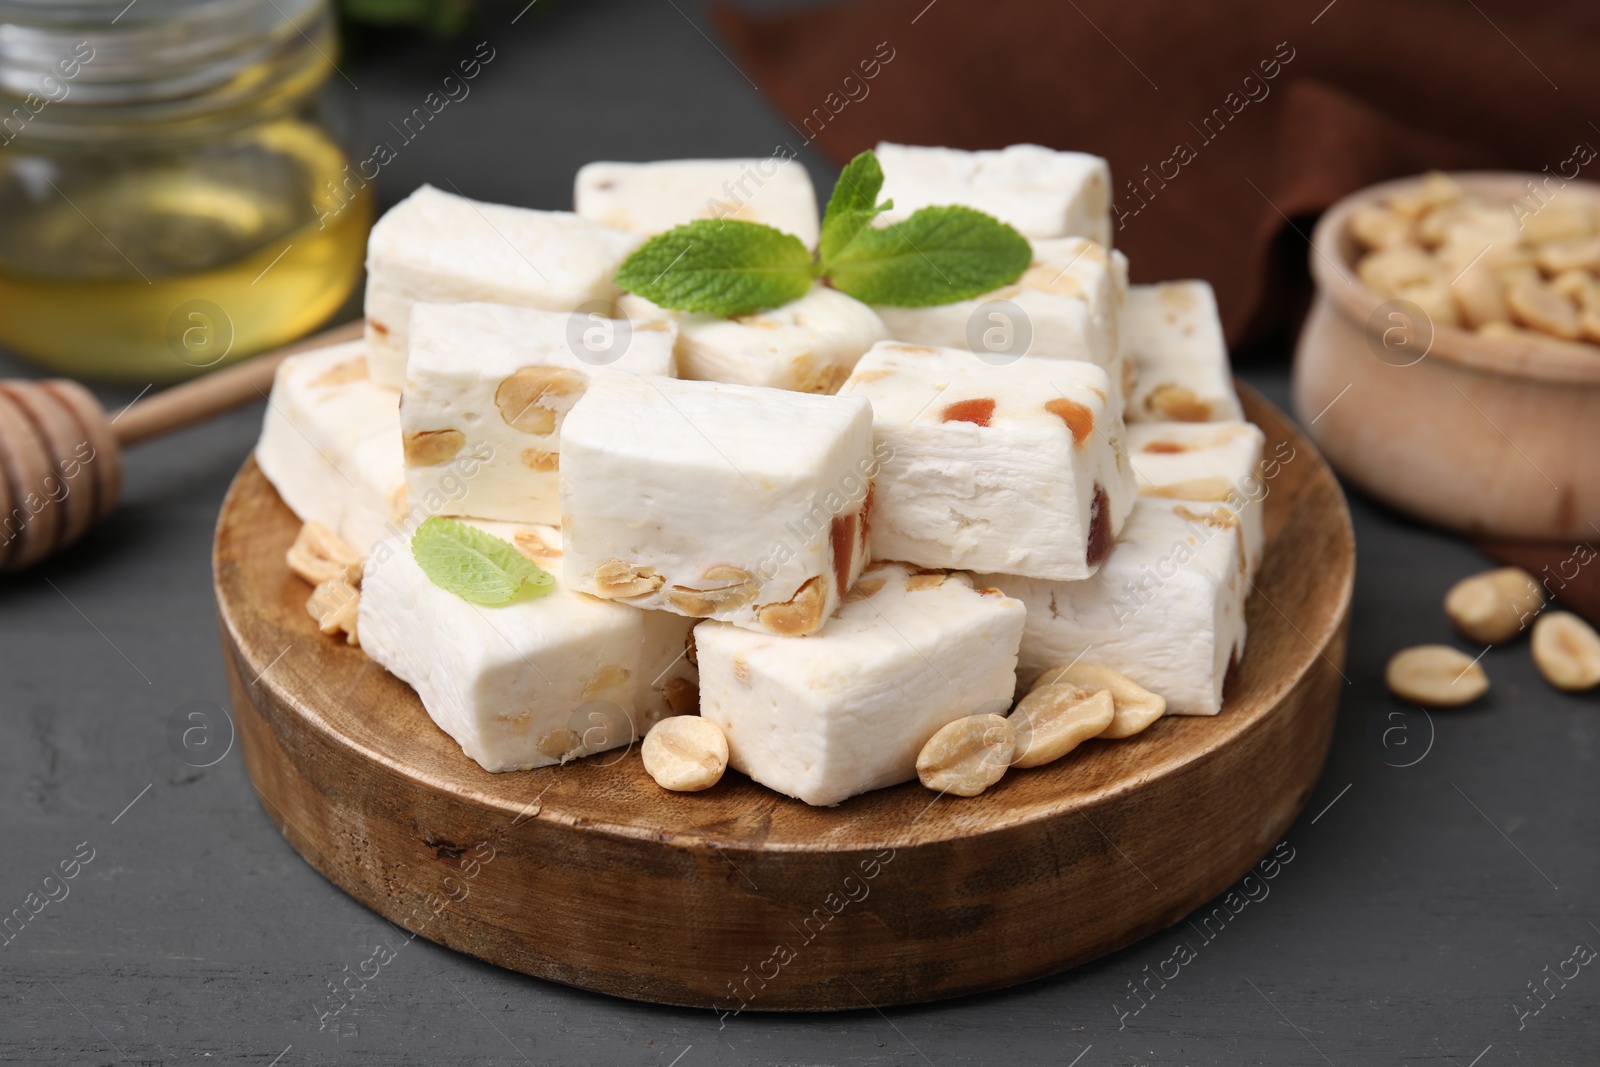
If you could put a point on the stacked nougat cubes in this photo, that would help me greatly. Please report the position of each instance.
(831, 529)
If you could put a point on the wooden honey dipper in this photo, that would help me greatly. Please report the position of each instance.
(61, 456)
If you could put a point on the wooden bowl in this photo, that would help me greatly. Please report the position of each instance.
(1487, 436)
(739, 898)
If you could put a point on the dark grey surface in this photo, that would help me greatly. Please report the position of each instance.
(1420, 903)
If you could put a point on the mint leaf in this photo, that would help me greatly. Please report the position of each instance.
(853, 205)
(723, 267)
(474, 565)
(937, 256)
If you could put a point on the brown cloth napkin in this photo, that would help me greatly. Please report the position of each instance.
(1222, 120)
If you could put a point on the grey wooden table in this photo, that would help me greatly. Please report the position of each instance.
(1444, 872)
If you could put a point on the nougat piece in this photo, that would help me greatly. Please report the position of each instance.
(1216, 463)
(848, 709)
(496, 381)
(330, 444)
(537, 681)
(1180, 359)
(440, 248)
(1016, 468)
(1166, 608)
(720, 501)
(1040, 191)
(651, 198)
(1067, 305)
(809, 345)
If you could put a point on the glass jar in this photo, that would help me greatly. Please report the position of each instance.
(171, 197)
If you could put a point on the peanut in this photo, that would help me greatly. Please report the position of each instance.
(1436, 676)
(1053, 720)
(522, 397)
(1567, 651)
(335, 604)
(1557, 221)
(1580, 253)
(1491, 607)
(967, 756)
(319, 554)
(685, 753)
(1541, 308)
(429, 448)
(1386, 271)
(1135, 707)
(730, 588)
(1177, 403)
(1480, 296)
(1378, 227)
(798, 616)
(617, 579)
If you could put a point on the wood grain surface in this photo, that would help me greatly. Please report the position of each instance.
(738, 899)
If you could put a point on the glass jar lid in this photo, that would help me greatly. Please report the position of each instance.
(102, 63)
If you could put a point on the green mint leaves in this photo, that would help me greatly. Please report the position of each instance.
(721, 267)
(853, 205)
(937, 256)
(728, 267)
(474, 565)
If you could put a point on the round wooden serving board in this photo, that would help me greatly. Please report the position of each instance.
(738, 898)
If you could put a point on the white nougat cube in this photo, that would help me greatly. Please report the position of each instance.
(1067, 305)
(1212, 463)
(496, 381)
(437, 247)
(651, 198)
(1180, 359)
(1017, 468)
(534, 682)
(848, 709)
(716, 501)
(809, 345)
(1166, 609)
(330, 444)
(1040, 191)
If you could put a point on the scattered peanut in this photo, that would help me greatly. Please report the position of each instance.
(1053, 720)
(1493, 606)
(967, 756)
(685, 753)
(1567, 651)
(1436, 676)
(335, 604)
(319, 554)
(1135, 706)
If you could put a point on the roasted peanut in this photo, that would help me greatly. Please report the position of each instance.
(617, 579)
(1135, 706)
(798, 616)
(1051, 721)
(1567, 651)
(319, 554)
(1492, 607)
(685, 753)
(967, 756)
(1436, 676)
(1539, 307)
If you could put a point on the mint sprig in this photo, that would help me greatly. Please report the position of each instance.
(722, 267)
(938, 255)
(853, 205)
(474, 565)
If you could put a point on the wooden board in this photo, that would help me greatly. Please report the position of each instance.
(741, 899)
